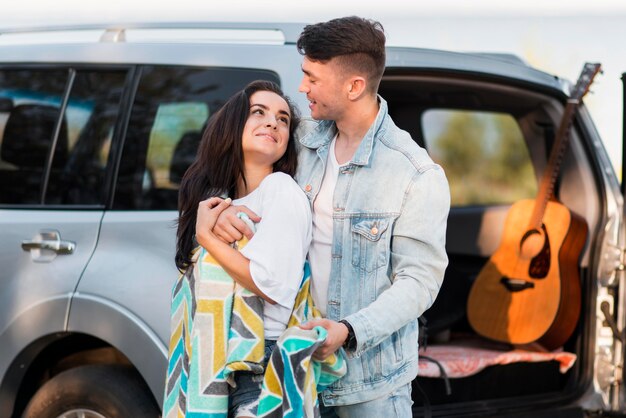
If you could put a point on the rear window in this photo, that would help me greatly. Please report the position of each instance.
(484, 155)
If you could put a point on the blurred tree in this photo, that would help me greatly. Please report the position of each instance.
(484, 155)
(459, 145)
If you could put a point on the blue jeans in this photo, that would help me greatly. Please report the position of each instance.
(245, 395)
(396, 404)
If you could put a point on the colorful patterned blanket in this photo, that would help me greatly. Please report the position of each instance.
(293, 379)
(217, 330)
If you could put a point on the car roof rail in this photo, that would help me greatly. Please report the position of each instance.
(248, 32)
(511, 58)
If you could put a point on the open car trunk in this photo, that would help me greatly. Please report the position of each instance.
(493, 139)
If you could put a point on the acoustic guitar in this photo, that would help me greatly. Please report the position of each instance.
(529, 290)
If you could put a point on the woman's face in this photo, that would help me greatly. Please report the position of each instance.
(266, 132)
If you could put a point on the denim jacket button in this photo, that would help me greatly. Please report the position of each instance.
(374, 231)
(307, 188)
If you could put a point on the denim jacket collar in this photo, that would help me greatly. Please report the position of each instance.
(326, 130)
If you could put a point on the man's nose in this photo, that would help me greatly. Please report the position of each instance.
(304, 87)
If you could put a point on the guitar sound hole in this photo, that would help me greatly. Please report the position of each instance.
(540, 264)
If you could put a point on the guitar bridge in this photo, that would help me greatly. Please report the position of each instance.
(516, 285)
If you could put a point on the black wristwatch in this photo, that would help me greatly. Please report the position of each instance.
(350, 342)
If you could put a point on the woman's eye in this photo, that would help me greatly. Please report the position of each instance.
(284, 120)
(257, 111)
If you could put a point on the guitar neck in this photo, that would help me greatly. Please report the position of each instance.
(548, 180)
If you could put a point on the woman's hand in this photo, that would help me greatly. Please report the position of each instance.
(208, 212)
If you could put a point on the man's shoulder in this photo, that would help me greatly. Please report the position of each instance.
(402, 147)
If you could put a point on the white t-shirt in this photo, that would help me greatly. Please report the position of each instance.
(278, 249)
(321, 246)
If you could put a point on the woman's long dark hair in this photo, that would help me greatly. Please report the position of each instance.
(219, 162)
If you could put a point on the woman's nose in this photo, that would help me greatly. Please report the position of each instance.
(271, 122)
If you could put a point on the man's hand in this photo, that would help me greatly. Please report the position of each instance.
(229, 228)
(208, 212)
(337, 334)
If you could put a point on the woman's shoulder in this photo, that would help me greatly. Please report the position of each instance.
(280, 182)
(281, 189)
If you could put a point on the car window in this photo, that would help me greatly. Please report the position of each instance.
(170, 111)
(484, 155)
(172, 122)
(30, 103)
(31, 125)
(90, 116)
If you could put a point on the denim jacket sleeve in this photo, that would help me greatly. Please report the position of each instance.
(418, 261)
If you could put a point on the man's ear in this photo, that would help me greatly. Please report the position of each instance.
(356, 87)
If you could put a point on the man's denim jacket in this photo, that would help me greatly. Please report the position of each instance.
(391, 205)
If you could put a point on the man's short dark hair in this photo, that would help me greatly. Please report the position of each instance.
(357, 43)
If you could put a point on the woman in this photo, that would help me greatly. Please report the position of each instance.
(247, 152)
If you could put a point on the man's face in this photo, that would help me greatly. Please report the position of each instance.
(323, 85)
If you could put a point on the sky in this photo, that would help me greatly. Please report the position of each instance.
(556, 36)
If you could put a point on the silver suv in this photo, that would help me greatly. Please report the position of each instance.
(97, 126)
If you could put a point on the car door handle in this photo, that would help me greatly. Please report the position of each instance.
(49, 240)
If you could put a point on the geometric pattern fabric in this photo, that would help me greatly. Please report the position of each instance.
(217, 329)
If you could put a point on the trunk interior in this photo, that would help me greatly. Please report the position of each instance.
(494, 142)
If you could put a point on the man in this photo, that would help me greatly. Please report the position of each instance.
(380, 207)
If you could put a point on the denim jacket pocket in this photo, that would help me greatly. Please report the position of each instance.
(369, 242)
(391, 353)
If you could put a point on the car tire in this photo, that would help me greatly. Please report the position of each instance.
(93, 392)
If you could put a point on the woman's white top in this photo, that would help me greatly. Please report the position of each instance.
(278, 249)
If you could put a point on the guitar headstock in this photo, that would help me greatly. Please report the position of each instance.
(590, 70)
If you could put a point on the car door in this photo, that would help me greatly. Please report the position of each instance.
(124, 295)
(56, 126)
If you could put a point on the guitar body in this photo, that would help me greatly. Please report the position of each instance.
(529, 290)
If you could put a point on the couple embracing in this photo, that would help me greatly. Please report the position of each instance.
(366, 212)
